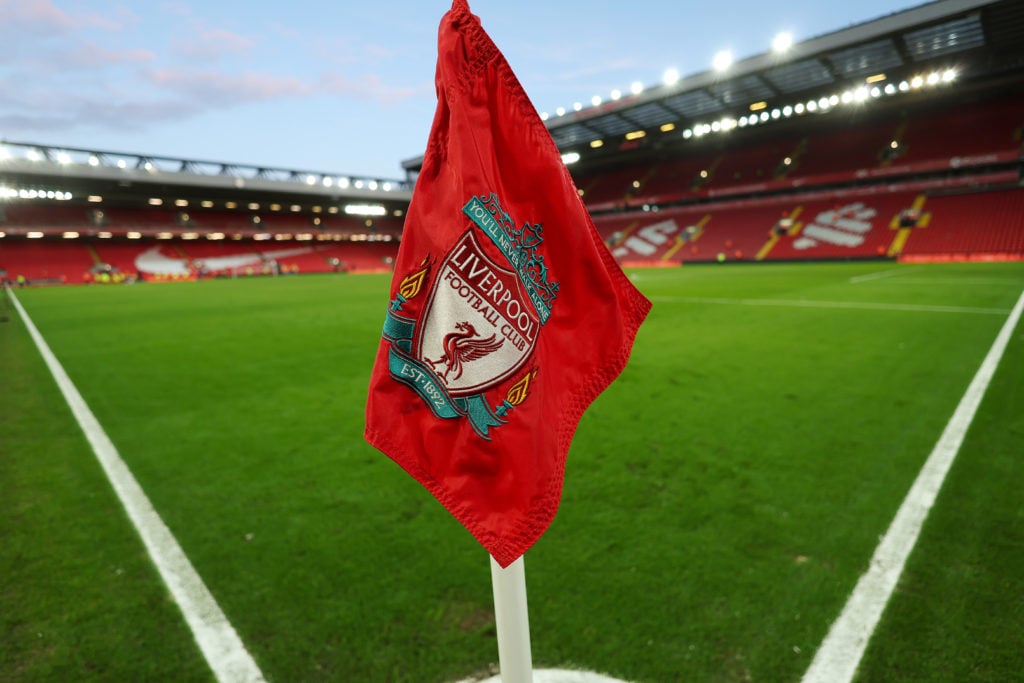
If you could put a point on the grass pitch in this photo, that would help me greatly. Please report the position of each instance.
(721, 498)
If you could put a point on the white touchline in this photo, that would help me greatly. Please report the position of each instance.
(840, 653)
(220, 644)
(810, 303)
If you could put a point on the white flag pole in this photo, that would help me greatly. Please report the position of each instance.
(510, 615)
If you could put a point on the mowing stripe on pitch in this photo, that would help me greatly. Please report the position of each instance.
(805, 303)
(217, 639)
(839, 655)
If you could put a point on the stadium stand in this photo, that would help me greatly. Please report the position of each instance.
(900, 138)
(975, 226)
(46, 261)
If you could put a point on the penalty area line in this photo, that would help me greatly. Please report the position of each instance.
(878, 275)
(840, 653)
(217, 639)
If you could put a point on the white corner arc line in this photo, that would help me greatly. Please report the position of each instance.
(217, 639)
(840, 653)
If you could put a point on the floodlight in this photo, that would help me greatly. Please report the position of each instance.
(949, 75)
(722, 60)
(776, 113)
(933, 78)
(916, 82)
(343, 183)
(310, 179)
(595, 101)
(594, 144)
(782, 42)
(636, 87)
(576, 106)
(787, 111)
(890, 89)
(543, 116)
(847, 97)
(570, 158)
(65, 158)
(560, 111)
(121, 163)
(799, 108)
(94, 160)
(860, 94)
(687, 134)
(328, 181)
(765, 116)
(33, 155)
(616, 94)
(671, 76)
(365, 210)
(69, 235)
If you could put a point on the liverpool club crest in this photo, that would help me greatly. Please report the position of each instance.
(479, 320)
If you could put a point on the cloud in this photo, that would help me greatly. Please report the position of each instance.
(45, 18)
(221, 88)
(89, 56)
(46, 112)
(206, 44)
(372, 87)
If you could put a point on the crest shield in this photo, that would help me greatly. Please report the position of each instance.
(478, 327)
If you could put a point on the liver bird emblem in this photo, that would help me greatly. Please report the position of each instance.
(461, 347)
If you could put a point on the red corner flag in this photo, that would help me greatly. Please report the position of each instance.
(508, 315)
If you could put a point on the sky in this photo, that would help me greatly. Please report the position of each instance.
(340, 87)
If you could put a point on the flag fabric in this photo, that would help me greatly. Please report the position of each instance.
(507, 316)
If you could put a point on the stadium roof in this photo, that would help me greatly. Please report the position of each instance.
(127, 177)
(979, 39)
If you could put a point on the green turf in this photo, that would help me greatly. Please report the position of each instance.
(721, 499)
(79, 599)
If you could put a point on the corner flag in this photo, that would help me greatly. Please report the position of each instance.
(508, 316)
